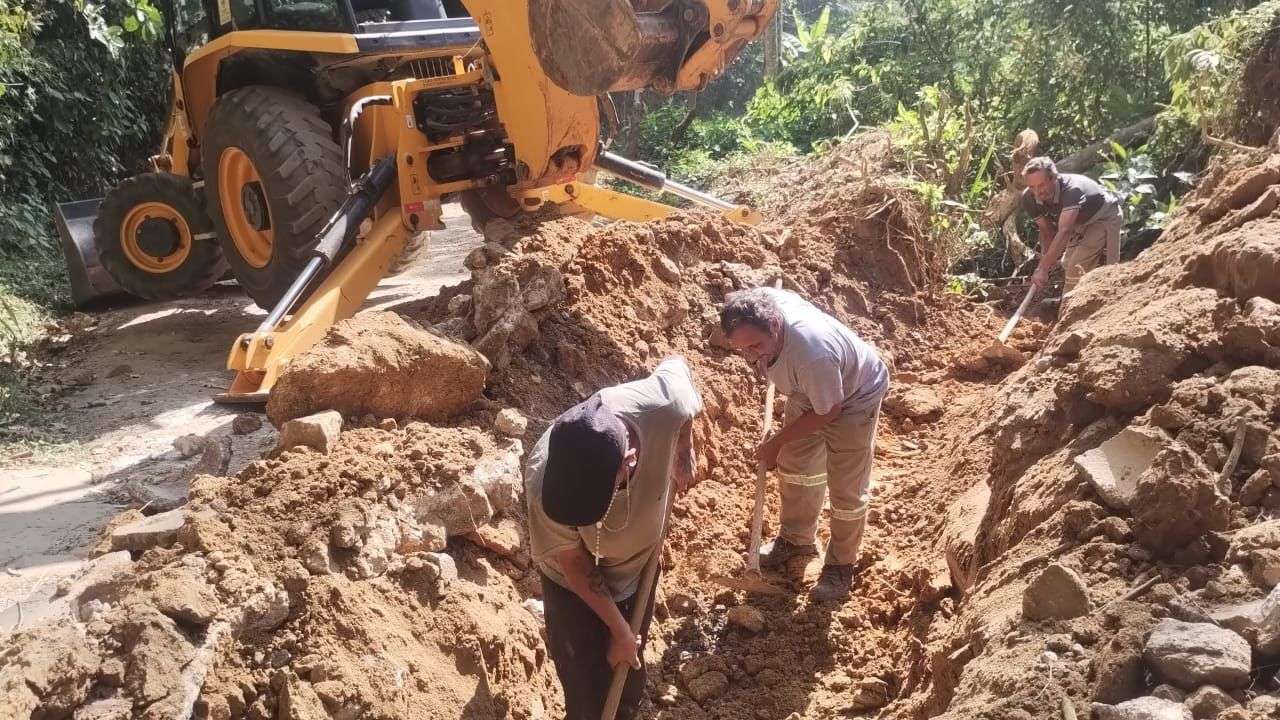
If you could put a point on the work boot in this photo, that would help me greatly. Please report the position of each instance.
(833, 584)
(775, 553)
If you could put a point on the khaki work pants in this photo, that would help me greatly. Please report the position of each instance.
(835, 459)
(1095, 244)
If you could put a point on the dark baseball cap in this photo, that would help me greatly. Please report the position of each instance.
(584, 452)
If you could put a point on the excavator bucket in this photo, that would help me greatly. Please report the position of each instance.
(590, 48)
(89, 280)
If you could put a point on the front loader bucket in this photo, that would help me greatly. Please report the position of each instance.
(89, 280)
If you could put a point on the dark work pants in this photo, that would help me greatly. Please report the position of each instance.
(579, 644)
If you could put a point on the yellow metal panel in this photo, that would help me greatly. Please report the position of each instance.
(618, 206)
(175, 148)
(540, 118)
(258, 359)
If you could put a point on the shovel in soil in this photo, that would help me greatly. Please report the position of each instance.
(752, 581)
(1000, 350)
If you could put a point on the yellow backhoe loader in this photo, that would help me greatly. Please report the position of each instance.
(308, 140)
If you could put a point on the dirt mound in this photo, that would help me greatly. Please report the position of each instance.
(1165, 346)
(382, 365)
(312, 586)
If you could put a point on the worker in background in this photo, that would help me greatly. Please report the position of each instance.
(1078, 221)
(834, 382)
(598, 484)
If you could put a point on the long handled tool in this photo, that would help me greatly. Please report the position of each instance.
(1017, 315)
(644, 596)
(752, 581)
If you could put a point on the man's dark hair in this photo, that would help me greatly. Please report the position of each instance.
(752, 307)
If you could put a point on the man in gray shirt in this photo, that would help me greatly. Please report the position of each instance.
(834, 382)
(1078, 220)
(598, 484)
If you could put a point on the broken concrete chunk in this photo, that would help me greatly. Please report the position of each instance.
(1191, 655)
(1144, 708)
(319, 431)
(511, 423)
(1113, 467)
(1057, 593)
(1208, 701)
(155, 531)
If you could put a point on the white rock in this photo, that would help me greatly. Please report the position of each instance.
(188, 446)
(1145, 708)
(149, 532)
(1191, 655)
(1114, 466)
(511, 423)
(319, 431)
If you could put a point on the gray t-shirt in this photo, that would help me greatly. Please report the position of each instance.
(656, 407)
(823, 364)
(1074, 191)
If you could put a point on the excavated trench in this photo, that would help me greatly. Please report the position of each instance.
(388, 577)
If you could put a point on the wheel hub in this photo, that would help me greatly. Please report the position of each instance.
(155, 237)
(244, 207)
(255, 206)
(158, 237)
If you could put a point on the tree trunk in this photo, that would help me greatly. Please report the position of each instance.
(773, 44)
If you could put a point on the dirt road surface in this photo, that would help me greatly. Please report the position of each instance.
(149, 371)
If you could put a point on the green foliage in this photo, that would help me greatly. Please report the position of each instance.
(1204, 66)
(82, 107)
(1147, 194)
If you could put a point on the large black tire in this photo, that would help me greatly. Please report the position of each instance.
(155, 239)
(296, 182)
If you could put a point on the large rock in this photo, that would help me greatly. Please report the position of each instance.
(156, 530)
(464, 506)
(917, 403)
(1208, 701)
(1113, 467)
(1191, 655)
(1268, 627)
(1057, 593)
(381, 364)
(960, 534)
(1144, 708)
(1177, 501)
(318, 431)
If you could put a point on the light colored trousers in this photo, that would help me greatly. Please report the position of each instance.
(836, 459)
(1095, 244)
